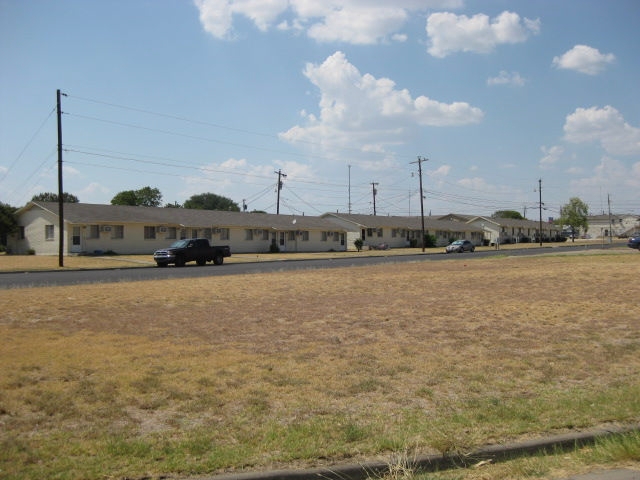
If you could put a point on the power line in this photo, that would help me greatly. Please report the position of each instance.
(29, 142)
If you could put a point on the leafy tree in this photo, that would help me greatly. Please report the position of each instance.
(145, 197)
(574, 214)
(8, 221)
(211, 201)
(507, 214)
(53, 197)
(173, 205)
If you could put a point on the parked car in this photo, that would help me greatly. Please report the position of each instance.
(634, 241)
(460, 246)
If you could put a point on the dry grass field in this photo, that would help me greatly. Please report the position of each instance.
(315, 367)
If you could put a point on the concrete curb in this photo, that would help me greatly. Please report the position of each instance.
(434, 463)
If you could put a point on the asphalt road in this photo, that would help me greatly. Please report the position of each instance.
(76, 277)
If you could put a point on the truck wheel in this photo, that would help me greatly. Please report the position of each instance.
(201, 261)
(218, 259)
(180, 262)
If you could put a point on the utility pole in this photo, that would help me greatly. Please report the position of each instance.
(60, 188)
(540, 206)
(349, 189)
(419, 162)
(280, 175)
(375, 192)
(610, 226)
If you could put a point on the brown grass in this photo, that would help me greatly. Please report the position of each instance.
(364, 360)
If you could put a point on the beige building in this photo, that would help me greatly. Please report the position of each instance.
(507, 230)
(400, 232)
(90, 229)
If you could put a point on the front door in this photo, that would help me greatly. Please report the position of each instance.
(282, 241)
(76, 240)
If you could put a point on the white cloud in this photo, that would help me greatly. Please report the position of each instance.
(506, 78)
(584, 59)
(92, 191)
(551, 156)
(609, 175)
(604, 125)
(359, 22)
(449, 33)
(359, 109)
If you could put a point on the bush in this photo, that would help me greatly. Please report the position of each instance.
(358, 243)
(31, 251)
(430, 241)
(273, 248)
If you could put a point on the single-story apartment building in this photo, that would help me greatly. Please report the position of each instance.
(95, 228)
(399, 231)
(507, 230)
(614, 225)
(91, 228)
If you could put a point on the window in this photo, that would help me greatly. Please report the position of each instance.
(265, 235)
(291, 236)
(248, 234)
(171, 233)
(94, 231)
(48, 232)
(149, 233)
(394, 233)
(224, 234)
(379, 233)
(336, 236)
(194, 233)
(117, 232)
(324, 236)
(207, 233)
(305, 236)
(369, 232)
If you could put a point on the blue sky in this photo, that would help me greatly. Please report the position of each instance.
(342, 96)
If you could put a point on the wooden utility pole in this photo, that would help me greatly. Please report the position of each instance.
(419, 162)
(280, 175)
(60, 188)
(375, 192)
(540, 207)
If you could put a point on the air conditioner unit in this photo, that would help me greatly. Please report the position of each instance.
(105, 228)
(162, 229)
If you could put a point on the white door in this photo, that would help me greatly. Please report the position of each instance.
(76, 240)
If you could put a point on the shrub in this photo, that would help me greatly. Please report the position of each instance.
(358, 243)
(430, 241)
(31, 251)
(273, 248)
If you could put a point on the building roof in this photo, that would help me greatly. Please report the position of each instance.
(410, 223)
(85, 213)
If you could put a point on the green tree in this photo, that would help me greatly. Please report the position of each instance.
(8, 221)
(574, 214)
(211, 201)
(507, 214)
(145, 197)
(53, 197)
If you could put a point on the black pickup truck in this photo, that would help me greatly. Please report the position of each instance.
(188, 250)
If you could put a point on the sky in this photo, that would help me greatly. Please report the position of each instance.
(501, 104)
